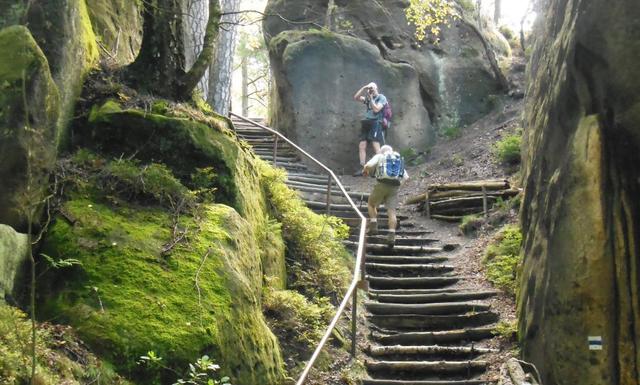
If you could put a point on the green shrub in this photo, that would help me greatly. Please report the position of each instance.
(507, 150)
(471, 224)
(502, 258)
(506, 32)
(452, 132)
(298, 322)
(467, 5)
(507, 329)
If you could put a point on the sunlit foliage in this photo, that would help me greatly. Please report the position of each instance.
(428, 16)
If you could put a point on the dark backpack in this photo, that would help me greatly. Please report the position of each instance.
(387, 114)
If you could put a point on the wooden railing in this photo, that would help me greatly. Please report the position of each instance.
(358, 272)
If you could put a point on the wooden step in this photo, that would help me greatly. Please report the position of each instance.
(397, 249)
(400, 260)
(426, 382)
(435, 337)
(428, 351)
(378, 308)
(425, 367)
(406, 322)
(393, 270)
(400, 240)
(433, 298)
(411, 282)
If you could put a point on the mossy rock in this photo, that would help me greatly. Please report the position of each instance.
(181, 143)
(118, 26)
(13, 254)
(126, 299)
(63, 30)
(25, 79)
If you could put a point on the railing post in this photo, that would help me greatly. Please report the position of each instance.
(427, 203)
(275, 150)
(354, 322)
(329, 195)
(485, 205)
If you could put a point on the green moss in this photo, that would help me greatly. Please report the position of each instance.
(319, 260)
(118, 25)
(471, 224)
(126, 299)
(53, 366)
(503, 258)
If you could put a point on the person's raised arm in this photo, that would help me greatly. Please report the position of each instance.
(358, 95)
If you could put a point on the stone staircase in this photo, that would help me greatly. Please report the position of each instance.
(425, 328)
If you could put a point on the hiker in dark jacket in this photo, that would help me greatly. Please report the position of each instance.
(371, 125)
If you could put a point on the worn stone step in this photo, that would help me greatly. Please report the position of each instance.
(401, 260)
(425, 367)
(426, 351)
(434, 337)
(433, 298)
(426, 382)
(381, 308)
(280, 158)
(405, 322)
(393, 270)
(411, 282)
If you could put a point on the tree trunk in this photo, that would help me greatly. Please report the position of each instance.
(497, 11)
(328, 23)
(160, 67)
(220, 72)
(245, 87)
(196, 13)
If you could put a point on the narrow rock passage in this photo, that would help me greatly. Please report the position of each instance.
(425, 327)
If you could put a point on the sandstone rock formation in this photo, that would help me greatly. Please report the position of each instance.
(13, 253)
(317, 72)
(27, 152)
(582, 181)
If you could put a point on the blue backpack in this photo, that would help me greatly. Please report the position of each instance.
(390, 168)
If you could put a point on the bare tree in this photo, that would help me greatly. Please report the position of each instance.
(497, 11)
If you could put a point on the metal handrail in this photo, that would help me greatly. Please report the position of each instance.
(351, 291)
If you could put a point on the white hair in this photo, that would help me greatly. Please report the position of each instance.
(386, 149)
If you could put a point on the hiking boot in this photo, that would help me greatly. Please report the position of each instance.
(358, 173)
(391, 238)
(372, 229)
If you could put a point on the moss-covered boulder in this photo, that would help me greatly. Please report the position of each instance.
(29, 105)
(581, 212)
(14, 253)
(63, 30)
(126, 299)
(118, 25)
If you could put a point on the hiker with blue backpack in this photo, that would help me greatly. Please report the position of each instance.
(377, 113)
(388, 169)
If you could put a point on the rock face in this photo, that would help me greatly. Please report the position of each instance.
(317, 72)
(581, 213)
(26, 151)
(13, 253)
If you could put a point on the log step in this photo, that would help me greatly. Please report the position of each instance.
(411, 282)
(426, 382)
(429, 351)
(398, 249)
(412, 291)
(412, 269)
(406, 241)
(377, 308)
(400, 260)
(438, 337)
(433, 298)
(426, 367)
(432, 322)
